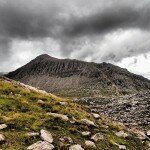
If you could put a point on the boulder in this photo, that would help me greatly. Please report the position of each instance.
(63, 103)
(90, 145)
(40, 101)
(123, 147)
(88, 122)
(60, 116)
(76, 147)
(97, 136)
(46, 136)
(3, 126)
(65, 139)
(41, 145)
(86, 133)
(121, 134)
(96, 116)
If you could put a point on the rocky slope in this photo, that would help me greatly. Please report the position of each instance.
(78, 78)
(35, 120)
(132, 110)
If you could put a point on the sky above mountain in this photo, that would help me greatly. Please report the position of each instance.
(115, 31)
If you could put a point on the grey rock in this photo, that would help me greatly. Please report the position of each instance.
(46, 136)
(3, 126)
(90, 144)
(76, 147)
(60, 116)
(97, 136)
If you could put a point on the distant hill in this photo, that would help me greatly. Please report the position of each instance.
(78, 78)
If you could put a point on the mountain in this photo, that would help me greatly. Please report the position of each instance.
(32, 119)
(78, 78)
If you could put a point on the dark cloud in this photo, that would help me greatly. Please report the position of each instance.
(84, 29)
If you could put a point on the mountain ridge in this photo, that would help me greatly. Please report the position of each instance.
(65, 74)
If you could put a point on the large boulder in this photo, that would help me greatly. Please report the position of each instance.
(41, 145)
(76, 147)
(60, 116)
(46, 136)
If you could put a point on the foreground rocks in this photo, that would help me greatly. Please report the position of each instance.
(90, 145)
(60, 116)
(41, 145)
(3, 126)
(46, 136)
(2, 138)
(76, 147)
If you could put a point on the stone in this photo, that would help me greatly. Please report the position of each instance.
(33, 134)
(67, 140)
(121, 134)
(97, 136)
(88, 122)
(60, 116)
(41, 145)
(90, 144)
(46, 136)
(141, 135)
(123, 147)
(63, 103)
(76, 147)
(148, 133)
(3, 126)
(2, 138)
(40, 101)
(86, 133)
(96, 116)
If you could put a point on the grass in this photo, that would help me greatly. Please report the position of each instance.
(21, 112)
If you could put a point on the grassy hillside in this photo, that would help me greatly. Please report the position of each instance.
(25, 109)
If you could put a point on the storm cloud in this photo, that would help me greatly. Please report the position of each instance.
(92, 30)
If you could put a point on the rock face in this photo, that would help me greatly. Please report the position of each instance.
(41, 145)
(46, 136)
(64, 74)
(76, 147)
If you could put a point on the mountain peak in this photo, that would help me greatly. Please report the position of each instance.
(46, 56)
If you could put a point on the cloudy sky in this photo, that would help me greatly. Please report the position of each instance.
(115, 31)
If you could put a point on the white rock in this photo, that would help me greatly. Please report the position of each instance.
(63, 103)
(2, 138)
(148, 133)
(40, 101)
(88, 122)
(76, 147)
(123, 147)
(66, 140)
(3, 126)
(61, 116)
(41, 145)
(97, 136)
(86, 133)
(96, 116)
(121, 134)
(90, 144)
(46, 136)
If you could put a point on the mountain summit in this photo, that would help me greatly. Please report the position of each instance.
(78, 77)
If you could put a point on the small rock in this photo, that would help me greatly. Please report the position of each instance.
(3, 126)
(121, 134)
(67, 140)
(76, 147)
(40, 101)
(86, 133)
(96, 116)
(2, 138)
(97, 136)
(141, 135)
(46, 136)
(148, 133)
(123, 147)
(90, 144)
(33, 134)
(88, 122)
(41, 145)
(63, 103)
(61, 116)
